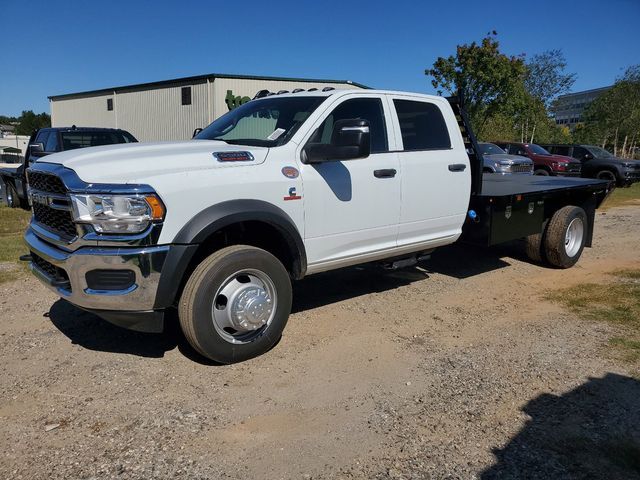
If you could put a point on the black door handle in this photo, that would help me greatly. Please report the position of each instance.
(457, 167)
(385, 173)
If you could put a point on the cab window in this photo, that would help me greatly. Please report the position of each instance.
(52, 143)
(422, 126)
(363, 108)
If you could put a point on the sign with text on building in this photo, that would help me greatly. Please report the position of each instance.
(234, 101)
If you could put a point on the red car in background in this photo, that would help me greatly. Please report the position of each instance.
(544, 163)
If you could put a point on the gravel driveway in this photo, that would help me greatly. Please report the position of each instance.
(456, 369)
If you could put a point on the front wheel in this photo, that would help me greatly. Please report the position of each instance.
(11, 196)
(606, 175)
(235, 304)
(565, 236)
(542, 172)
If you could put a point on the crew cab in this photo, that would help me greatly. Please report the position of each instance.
(545, 163)
(46, 141)
(284, 186)
(599, 163)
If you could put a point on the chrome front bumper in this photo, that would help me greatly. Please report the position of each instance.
(145, 262)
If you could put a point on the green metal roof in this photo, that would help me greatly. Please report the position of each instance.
(196, 79)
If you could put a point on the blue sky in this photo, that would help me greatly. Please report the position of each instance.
(54, 47)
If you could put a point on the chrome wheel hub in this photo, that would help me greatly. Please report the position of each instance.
(244, 306)
(573, 237)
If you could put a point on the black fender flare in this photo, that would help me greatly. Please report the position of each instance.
(214, 218)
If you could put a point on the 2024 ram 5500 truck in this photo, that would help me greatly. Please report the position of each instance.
(281, 187)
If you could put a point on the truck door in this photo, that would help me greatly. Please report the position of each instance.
(436, 175)
(352, 207)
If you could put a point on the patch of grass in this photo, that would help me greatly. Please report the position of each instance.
(623, 196)
(617, 303)
(13, 222)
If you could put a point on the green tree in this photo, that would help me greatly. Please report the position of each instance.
(490, 81)
(613, 119)
(545, 78)
(30, 121)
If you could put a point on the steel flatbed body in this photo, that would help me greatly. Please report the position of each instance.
(510, 207)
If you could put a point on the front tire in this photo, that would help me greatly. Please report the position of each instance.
(607, 175)
(542, 172)
(235, 304)
(11, 196)
(565, 236)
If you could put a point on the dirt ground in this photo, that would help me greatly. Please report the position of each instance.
(456, 369)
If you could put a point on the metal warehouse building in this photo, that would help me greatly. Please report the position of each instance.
(170, 109)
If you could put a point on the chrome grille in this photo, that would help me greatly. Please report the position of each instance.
(59, 221)
(521, 168)
(46, 183)
(51, 204)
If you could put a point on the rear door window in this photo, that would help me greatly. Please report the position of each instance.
(560, 150)
(422, 126)
(80, 139)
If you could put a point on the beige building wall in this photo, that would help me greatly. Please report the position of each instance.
(158, 114)
(155, 112)
(86, 111)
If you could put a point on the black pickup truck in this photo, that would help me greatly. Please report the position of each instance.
(599, 163)
(51, 140)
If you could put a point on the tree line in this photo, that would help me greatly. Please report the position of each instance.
(511, 98)
(27, 122)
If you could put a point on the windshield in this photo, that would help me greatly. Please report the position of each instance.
(599, 152)
(267, 122)
(490, 149)
(82, 139)
(537, 149)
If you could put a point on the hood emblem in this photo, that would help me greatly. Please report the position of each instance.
(290, 172)
(233, 156)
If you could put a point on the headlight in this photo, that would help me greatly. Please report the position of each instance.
(560, 165)
(117, 213)
(505, 163)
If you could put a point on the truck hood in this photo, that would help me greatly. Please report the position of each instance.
(560, 158)
(133, 162)
(496, 157)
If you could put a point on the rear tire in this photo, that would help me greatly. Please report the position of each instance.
(542, 172)
(565, 236)
(235, 304)
(534, 248)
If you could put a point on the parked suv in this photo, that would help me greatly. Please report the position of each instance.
(545, 163)
(598, 163)
(496, 160)
(51, 140)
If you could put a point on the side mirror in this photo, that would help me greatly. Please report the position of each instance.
(587, 156)
(36, 149)
(196, 132)
(350, 139)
